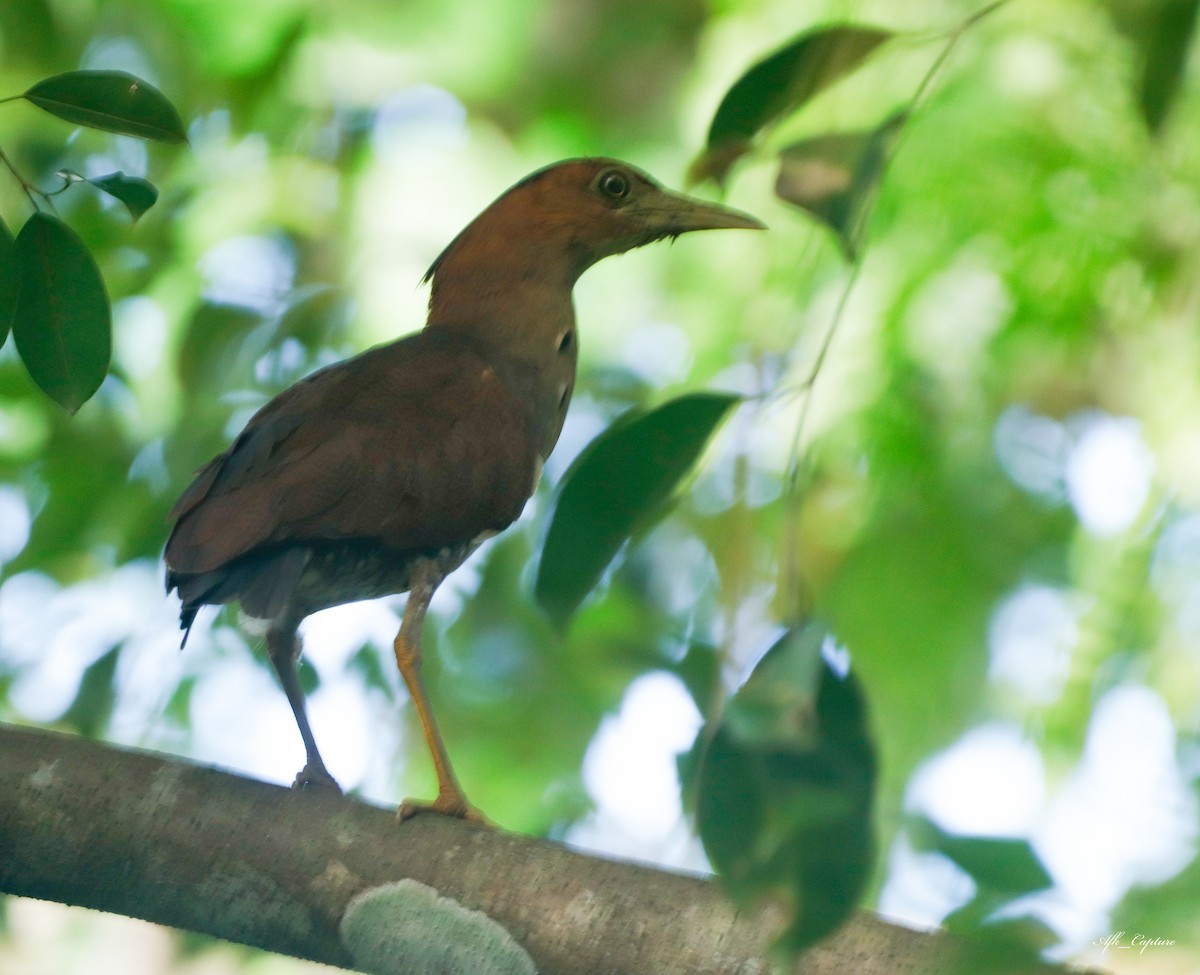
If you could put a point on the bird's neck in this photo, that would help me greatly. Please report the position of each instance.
(509, 281)
(510, 272)
(516, 302)
(523, 311)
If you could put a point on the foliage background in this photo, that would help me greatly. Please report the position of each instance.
(997, 509)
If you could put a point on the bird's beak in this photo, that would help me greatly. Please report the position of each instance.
(673, 213)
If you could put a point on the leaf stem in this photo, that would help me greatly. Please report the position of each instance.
(30, 191)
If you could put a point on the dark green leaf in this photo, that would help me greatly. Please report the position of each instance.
(777, 85)
(834, 177)
(1161, 31)
(618, 483)
(62, 322)
(785, 789)
(137, 194)
(110, 100)
(1165, 58)
(1007, 866)
(8, 282)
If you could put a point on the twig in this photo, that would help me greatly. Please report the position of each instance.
(808, 384)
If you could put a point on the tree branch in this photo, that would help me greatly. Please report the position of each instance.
(338, 881)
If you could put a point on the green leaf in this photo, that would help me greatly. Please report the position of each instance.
(110, 100)
(622, 479)
(8, 282)
(834, 177)
(778, 85)
(1007, 866)
(785, 789)
(62, 322)
(138, 194)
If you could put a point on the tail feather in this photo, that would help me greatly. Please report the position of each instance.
(262, 583)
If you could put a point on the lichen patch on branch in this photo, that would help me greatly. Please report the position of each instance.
(408, 927)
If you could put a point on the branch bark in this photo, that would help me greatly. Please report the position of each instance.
(339, 881)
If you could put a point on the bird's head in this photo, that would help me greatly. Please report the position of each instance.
(569, 215)
(600, 207)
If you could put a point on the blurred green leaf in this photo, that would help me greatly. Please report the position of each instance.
(8, 282)
(620, 481)
(308, 676)
(179, 707)
(110, 100)
(995, 943)
(219, 348)
(62, 322)
(93, 704)
(777, 85)
(834, 177)
(248, 41)
(367, 663)
(34, 24)
(1162, 32)
(1006, 866)
(785, 787)
(1166, 59)
(700, 671)
(316, 315)
(138, 194)
(1167, 910)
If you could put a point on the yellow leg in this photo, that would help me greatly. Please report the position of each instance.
(450, 799)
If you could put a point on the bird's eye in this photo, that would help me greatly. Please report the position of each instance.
(614, 184)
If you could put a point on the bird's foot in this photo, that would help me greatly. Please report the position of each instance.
(316, 779)
(446, 804)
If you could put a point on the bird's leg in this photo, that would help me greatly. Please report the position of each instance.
(450, 799)
(283, 650)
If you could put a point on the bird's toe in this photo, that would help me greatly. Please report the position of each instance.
(310, 779)
(454, 805)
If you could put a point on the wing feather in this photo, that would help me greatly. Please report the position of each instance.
(419, 443)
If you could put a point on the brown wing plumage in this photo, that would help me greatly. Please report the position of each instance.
(419, 445)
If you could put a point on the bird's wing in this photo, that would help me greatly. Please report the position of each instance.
(419, 444)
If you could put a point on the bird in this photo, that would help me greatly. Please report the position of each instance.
(380, 474)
